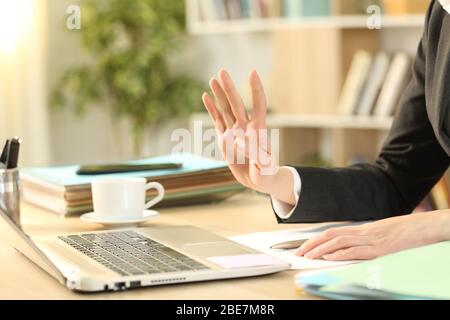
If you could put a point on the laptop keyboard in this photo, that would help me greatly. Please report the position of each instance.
(129, 253)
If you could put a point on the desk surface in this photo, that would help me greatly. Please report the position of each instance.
(245, 213)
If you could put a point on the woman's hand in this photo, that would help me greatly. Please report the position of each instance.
(379, 238)
(244, 140)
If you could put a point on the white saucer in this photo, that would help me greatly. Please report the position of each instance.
(148, 215)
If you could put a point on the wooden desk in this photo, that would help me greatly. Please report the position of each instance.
(248, 212)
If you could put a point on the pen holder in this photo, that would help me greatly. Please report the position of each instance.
(10, 193)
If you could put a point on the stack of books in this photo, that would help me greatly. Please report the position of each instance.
(199, 180)
(375, 84)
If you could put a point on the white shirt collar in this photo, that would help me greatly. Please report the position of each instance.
(446, 5)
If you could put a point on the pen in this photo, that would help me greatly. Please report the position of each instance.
(293, 244)
(4, 155)
(13, 153)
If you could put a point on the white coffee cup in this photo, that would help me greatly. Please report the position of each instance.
(123, 199)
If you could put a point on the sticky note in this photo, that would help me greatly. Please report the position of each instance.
(245, 261)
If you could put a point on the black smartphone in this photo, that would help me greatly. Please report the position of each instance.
(124, 167)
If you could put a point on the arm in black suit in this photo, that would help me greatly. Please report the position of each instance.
(409, 165)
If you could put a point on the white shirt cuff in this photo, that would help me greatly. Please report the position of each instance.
(282, 209)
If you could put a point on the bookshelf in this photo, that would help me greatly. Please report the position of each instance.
(313, 132)
(317, 121)
(196, 27)
(304, 104)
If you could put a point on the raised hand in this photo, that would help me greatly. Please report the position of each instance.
(244, 140)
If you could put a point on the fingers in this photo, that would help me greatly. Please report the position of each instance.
(235, 100)
(253, 152)
(259, 111)
(354, 253)
(214, 113)
(224, 105)
(242, 147)
(237, 167)
(240, 172)
(259, 99)
(325, 237)
(336, 244)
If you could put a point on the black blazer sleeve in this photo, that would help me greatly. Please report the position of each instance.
(410, 163)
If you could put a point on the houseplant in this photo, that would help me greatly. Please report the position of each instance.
(126, 44)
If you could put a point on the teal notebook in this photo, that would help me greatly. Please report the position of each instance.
(66, 176)
(421, 273)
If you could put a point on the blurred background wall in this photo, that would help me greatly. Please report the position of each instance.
(23, 103)
(92, 138)
(61, 137)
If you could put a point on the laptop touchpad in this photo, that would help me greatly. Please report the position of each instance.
(214, 249)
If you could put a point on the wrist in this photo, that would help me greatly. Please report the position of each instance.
(282, 186)
(443, 226)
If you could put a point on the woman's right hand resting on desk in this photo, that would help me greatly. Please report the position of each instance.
(346, 243)
(258, 171)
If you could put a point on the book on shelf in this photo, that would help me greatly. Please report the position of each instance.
(233, 8)
(221, 9)
(374, 84)
(312, 8)
(207, 10)
(213, 10)
(404, 7)
(257, 9)
(354, 84)
(306, 8)
(396, 80)
(292, 8)
(199, 180)
(274, 8)
(352, 7)
(246, 9)
(372, 88)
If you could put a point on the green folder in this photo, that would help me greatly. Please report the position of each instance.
(421, 273)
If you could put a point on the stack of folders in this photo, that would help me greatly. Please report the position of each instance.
(199, 180)
(420, 273)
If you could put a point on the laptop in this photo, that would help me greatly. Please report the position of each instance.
(139, 257)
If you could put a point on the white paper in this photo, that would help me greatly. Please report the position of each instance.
(262, 241)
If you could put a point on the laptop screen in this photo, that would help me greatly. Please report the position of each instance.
(18, 239)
